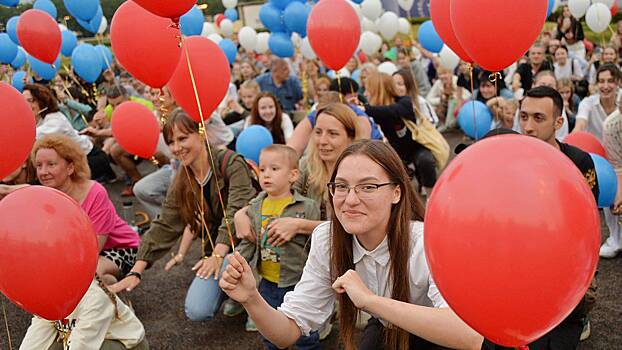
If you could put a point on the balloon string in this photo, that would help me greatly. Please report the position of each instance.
(163, 110)
(209, 147)
(201, 207)
(6, 324)
(305, 90)
(494, 78)
(339, 87)
(473, 102)
(75, 80)
(99, 40)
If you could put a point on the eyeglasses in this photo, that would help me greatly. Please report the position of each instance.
(363, 191)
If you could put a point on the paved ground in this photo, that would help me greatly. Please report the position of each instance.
(159, 304)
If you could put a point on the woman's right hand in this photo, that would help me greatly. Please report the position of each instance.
(237, 280)
(127, 284)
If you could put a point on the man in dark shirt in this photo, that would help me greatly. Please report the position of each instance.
(537, 63)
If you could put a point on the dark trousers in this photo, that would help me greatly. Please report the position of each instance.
(373, 339)
(425, 166)
(99, 165)
(274, 296)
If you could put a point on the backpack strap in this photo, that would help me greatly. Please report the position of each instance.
(224, 162)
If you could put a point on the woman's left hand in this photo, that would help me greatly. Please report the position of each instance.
(352, 284)
(281, 231)
(208, 266)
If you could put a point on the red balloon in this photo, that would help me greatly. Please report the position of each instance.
(210, 69)
(172, 9)
(512, 237)
(439, 11)
(508, 31)
(587, 142)
(614, 9)
(135, 128)
(17, 133)
(39, 35)
(48, 253)
(334, 32)
(145, 44)
(219, 18)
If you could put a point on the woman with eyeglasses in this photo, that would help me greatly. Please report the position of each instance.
(369, 257)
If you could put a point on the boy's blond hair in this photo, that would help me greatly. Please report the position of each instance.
(290, 154)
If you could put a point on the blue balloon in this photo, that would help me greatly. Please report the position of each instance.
(8, 49)
(20, 59)
(10, 3)
(475, 126)
(86, 61)
(280, 4)
(252, 140)
(83, 10)
(19, 80)
(607, 181)
(271, 17)
(11, 29)
(106, 56)
(429, 38)
(295, 18)
(549, 10)
(229, 48)
(231, 14)
(93, 24)
(192, 22)
(70, 41)
(44, 70)
(281, 45)
(357, 1)
(46, 6)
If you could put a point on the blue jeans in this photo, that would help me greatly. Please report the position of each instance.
(274, 296)
(204, 298)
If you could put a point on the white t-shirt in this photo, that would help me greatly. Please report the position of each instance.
(572, 67)
(57, 123)
(592, 111)
(286, 125)
(313, 299)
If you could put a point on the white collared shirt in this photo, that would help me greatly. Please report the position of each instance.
(313, 299)
(592, 111)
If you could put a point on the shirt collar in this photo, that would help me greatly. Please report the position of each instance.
(380, 254)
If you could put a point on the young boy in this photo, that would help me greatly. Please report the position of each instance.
(279, 256)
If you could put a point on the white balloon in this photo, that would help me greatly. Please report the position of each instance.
(307, 50)
(208, 28)
(226, 27)
(598, 17)
(404, 26)
(357, 9)
(229, 4)
(371, 9)
(448, 58)
(389, 25)
(367, 25)
(578, 7)
(62, 27)
(248, 38)
(262, 42)
(103, 26)
(406, 4)
(215, 37)
(387, 68)
(370, 43)
(609, 3)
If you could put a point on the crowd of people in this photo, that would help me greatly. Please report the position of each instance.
(329, 224)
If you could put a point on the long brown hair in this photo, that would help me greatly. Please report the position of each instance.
(186, 191)
(410, 207)
(275, 129)
(381, 89)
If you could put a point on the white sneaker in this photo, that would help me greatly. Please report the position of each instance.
(608, 252)
(587, 330)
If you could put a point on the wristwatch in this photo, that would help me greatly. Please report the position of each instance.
(133, 273)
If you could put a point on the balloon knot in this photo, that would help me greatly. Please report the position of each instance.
(495, 76)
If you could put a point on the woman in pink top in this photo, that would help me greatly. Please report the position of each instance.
(61, 164)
